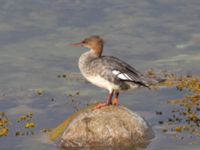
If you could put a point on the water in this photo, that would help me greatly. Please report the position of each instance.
(33, 36)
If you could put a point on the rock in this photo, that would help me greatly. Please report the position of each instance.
(109, 126)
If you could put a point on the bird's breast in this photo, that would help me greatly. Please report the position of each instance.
(101, 82)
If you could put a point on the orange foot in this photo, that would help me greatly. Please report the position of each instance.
(115, 101)
(101, 105)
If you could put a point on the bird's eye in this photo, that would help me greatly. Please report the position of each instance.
(83, 42)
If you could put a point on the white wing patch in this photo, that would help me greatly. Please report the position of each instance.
(115, 72)
(120, 75)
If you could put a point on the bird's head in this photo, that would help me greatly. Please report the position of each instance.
(94, 43)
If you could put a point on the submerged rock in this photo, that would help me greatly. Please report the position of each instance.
(109, 126)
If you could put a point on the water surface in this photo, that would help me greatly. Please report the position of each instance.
(147, 34)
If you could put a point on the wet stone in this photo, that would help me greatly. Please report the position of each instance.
(109, 126)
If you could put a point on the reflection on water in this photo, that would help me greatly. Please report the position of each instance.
(150, 34)
(142, 146)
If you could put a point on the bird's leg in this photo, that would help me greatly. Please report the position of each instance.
(108, 101)
(115, 101)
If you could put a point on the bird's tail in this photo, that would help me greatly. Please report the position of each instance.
(153, 83)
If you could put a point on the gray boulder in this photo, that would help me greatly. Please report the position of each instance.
(107, 127)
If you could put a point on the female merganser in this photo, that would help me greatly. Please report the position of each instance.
(108, 72)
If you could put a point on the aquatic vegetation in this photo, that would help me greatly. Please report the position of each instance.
(25, 117)
(4, 132)
(72, 99)
(185, 115)
(4, 123)
(24, 125)
(39, 92)
(30, 125)
(73, 76)
(46, 130)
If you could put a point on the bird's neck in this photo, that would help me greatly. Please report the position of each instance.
(97, 50)
(86, 58)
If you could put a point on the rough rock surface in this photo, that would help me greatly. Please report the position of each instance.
(109, 126)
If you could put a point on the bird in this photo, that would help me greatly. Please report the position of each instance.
(109, 72)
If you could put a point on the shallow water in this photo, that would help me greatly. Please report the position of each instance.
(148, 34)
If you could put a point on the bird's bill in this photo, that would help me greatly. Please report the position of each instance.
(76, 44)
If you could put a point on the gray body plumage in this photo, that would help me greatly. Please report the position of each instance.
(111, 73)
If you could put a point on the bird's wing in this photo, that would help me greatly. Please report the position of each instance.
(122, 71)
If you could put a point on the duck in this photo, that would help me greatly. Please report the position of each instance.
(109, 72)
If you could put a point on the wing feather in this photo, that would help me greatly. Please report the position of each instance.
(114, 67)
(125, 72)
